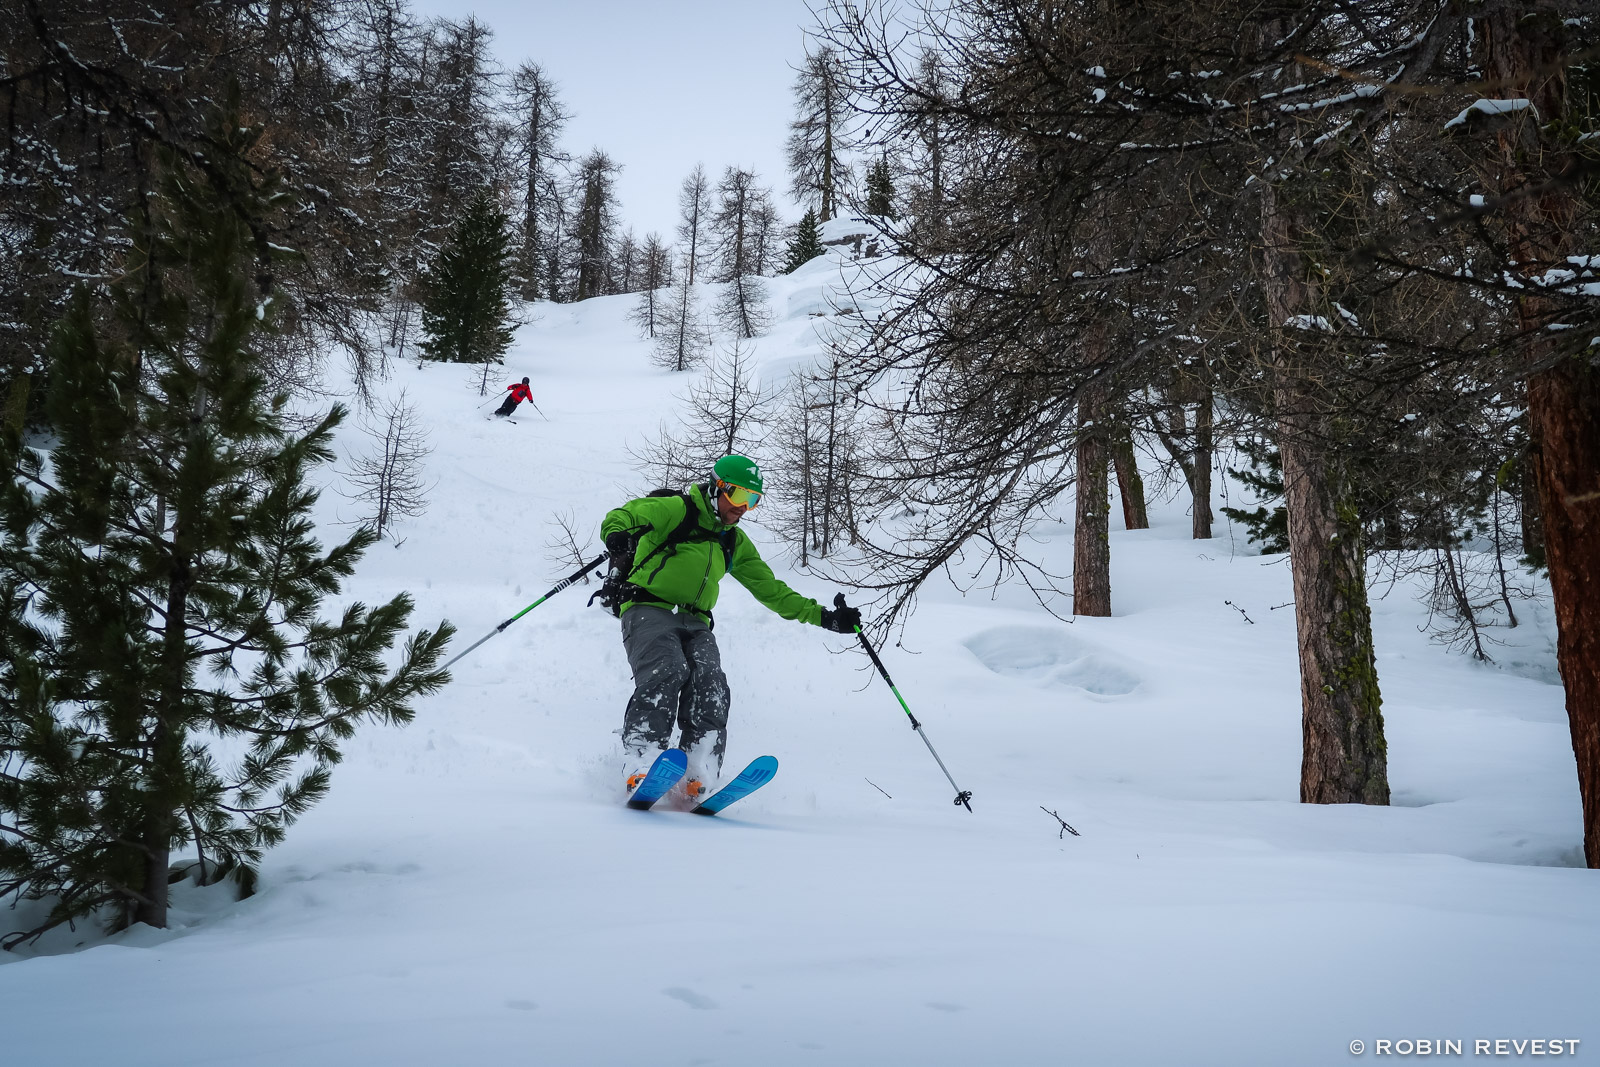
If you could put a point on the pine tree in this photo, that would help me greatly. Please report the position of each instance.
(626, 264)
(681, 333)
(806, 244)
(741, 307)
(466, 310)
(694, 207)
(816, 137)
(540, 119)
(766, 230)
(594, 222)
(654, 275)
(816, 449)
(460, 127)
(1264, 476)
(160, 583)
(880, 189)
(390, 478)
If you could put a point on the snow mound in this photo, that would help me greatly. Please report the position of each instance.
(1049, 658)
(808, 301)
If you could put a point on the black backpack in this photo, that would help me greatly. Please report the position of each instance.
(687, 531)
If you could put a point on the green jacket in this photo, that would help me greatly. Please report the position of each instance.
(687, 574)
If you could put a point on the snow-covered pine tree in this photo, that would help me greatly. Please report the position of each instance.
(161, 582)
(594, 223)
(817, 140)
(806, 244)
(741, 307)
(539, 119)
(466, 311)
(94, 89)
(460, 131)
(694, 214)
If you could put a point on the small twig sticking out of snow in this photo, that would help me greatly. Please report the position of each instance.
(1240, 610)
(876, 786)
(1061, 835)
(1285, 604)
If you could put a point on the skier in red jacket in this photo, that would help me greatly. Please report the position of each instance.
(519, 393)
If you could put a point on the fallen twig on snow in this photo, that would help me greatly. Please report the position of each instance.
(1065, 828)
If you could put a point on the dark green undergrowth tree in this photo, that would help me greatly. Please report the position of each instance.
(880, 189)
(806, 244)
(1264, 476)
(466, 312)
(170, 689)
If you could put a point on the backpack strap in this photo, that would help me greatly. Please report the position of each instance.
(687, 530)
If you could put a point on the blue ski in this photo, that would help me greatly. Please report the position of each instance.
(663, 775)
(753, 777)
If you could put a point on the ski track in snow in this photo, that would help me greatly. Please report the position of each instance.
(473, 890)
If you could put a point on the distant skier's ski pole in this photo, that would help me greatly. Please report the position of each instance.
(963, 796)
(562, 584)
(535, 407)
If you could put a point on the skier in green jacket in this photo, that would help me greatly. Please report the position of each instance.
(668, 552)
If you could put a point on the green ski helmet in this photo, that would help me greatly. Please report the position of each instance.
(739, 479)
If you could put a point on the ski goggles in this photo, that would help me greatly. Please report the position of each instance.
(738, 495)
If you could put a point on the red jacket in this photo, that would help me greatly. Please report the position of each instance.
(520, 392)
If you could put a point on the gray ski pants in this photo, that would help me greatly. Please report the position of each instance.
(677, 675)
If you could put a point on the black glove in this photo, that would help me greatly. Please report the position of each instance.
(620, 545)
(611, 593)
(613, 589)
(843, 619)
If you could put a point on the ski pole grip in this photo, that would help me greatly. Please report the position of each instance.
(838, 600)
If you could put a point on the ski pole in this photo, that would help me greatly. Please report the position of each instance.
(562, 584)
(963, 796)
(535, 407)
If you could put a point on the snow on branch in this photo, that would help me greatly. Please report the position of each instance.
(1490, 107)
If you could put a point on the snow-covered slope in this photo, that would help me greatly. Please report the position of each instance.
(474, 892)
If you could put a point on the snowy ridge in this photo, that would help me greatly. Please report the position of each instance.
(474, 891)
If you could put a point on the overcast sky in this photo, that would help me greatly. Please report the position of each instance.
(660, 85)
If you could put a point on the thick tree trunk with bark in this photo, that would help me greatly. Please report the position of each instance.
(1195, 462)
(1130, 486)
(1344, 757)
(1565, 403)
(1524, 48)
(165, 773)
(1091, 544)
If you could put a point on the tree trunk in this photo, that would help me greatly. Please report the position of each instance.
(165, 774)
(1091, 545)
(1200, 472)
(1344, 757)
(1130, 486)
(1524, 47)
(1565, 404)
